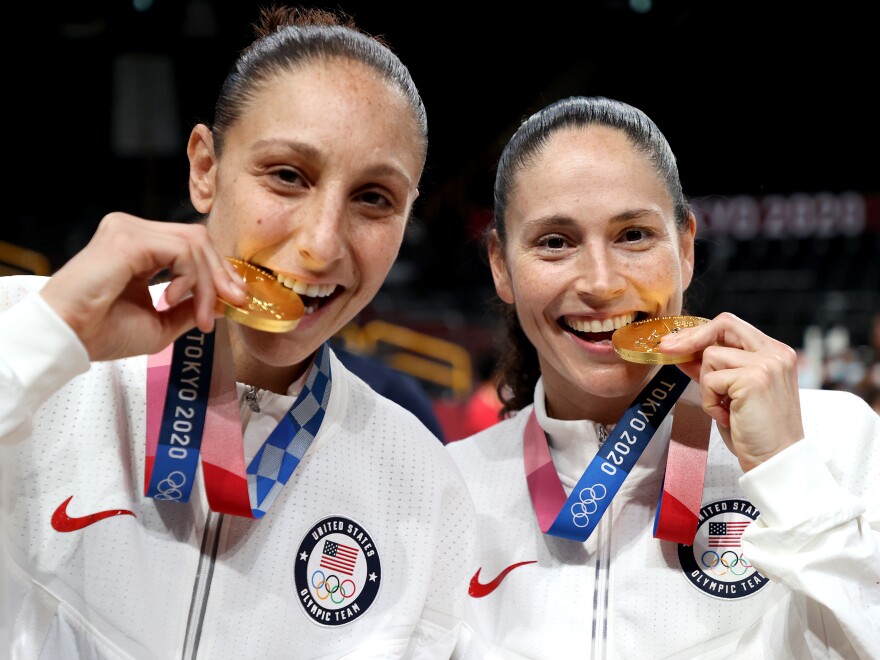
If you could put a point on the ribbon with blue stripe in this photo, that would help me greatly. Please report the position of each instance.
(283, 450)
(183, 418)
(617, 456)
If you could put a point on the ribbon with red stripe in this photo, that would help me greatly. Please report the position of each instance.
(576, 516)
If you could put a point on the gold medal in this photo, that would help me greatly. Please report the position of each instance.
(640, 341)
(270, 305)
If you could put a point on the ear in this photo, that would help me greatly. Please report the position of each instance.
(202, 168)
(686, 247)
(500, 274)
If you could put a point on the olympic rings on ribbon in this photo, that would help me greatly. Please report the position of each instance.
(170, 487)
(337, 589)
(587, 506)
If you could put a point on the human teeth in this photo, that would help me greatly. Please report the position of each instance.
(595, 325)
(309, 290)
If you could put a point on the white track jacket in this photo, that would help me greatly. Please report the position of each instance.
(119, 575)
(802, 581)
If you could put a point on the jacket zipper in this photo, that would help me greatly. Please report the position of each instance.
(600, 583)
(600, 590)
(202, 585)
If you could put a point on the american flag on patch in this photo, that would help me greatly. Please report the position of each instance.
(726, 534)
(339, 558)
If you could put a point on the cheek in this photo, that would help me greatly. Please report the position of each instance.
(663, 279)
(533, 290)
(376, 252)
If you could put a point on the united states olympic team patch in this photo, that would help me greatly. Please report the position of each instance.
(337, 571)
(715, 563)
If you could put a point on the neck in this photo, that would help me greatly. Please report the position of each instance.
(603, 396)
(262, 376)
(603, 410)
(273, 379)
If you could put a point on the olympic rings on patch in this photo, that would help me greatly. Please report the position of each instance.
(330, 587)
(732, 563)
(729, 563)
(588, 504)
(170, 487)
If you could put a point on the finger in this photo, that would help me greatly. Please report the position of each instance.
(216, 277)
(204, 291)
(715, 397)
(692, 368)
(725, 329)
(177, 320)
(719, 357)
(227, 281)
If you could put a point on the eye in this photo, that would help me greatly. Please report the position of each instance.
(553, 242)
(635, 235)
(289, 176)
(375, 199)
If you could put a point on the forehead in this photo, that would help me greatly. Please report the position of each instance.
(588, 163)
(325, 99)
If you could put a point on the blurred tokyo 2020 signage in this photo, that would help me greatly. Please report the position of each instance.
(801, 215)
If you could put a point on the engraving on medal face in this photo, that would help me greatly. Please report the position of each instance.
(258, 305)
(631, 343)
(648, 343)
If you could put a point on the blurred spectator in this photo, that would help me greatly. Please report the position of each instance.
(483, 406)
(871, 382)
(841, 365)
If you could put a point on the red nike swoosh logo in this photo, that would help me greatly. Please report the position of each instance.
(477, 589)
(61, 522)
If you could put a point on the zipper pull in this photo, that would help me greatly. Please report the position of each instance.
(250, 398)
(602, 433)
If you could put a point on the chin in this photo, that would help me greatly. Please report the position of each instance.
(616, 380)
(276, 349)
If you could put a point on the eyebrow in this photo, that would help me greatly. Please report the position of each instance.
(292, 145)
(568, 221)
(307, 150)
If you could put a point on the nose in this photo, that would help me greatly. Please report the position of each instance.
(320, 233)
(600, 275)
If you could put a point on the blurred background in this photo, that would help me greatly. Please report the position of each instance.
(769, 106)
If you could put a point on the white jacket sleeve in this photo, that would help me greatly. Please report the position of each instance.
(39, 353)
(819, 534)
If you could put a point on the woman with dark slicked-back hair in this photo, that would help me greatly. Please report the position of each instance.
(188, 470)
(659, 487)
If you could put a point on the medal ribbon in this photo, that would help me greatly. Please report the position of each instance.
(200, 413)
(678, 509)
(576, 516)
(183, 370)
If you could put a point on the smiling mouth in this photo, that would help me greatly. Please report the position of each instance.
(598, 331)
(313, 296)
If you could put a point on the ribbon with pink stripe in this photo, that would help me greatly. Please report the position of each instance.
(577, 515)
(193, 413)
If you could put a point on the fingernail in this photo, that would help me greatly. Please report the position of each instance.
(239, 286)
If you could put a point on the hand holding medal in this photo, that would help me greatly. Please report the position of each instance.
(748, 383)
(103, 292)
